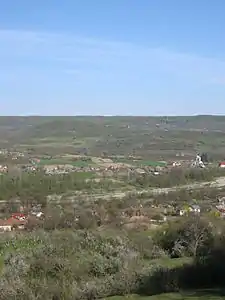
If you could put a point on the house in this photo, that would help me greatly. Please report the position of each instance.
(37, 214)
(195, 209)
(3, 169)
(222, 164)
(5, 226)
(156, 173)
(12, 224)
(222, 201)
(19, 216)
(221, 209)
(189, 209)
(176, 164)
(17, 224)
(182, 212)
(36, 211)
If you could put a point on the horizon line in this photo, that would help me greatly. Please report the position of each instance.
(109, 115)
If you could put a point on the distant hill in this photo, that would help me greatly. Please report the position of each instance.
(116, 134)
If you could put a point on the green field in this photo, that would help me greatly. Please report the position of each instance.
(86, 163)
(155, 138)
(149, 163)
(76, 163)
(140, 163)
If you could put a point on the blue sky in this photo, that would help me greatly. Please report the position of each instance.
(123, 57)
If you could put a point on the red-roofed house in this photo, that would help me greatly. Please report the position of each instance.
(19, 216)
(11, 224)
(222, 164)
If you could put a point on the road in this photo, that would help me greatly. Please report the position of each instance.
(218, 183)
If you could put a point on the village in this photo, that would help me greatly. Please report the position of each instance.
(64, 164)
(148, 214)
(103, 168)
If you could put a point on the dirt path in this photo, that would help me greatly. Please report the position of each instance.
(219, 182)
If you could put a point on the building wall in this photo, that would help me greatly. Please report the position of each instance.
(5, 228)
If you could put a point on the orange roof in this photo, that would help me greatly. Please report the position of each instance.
(11, 222)
(18, 215)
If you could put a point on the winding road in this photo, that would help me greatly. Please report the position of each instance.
(217, 183)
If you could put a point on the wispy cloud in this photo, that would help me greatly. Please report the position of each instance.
(26, 52)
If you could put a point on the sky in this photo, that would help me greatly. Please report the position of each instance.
(120, 57)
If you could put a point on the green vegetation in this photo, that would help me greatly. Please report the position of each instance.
(76, 163)
(141, 163)
(91, 264)
(112, 235)
(92, 248)
(204, 295)
(152, 163)
(175, 177)
(38, 185)
(153, 138)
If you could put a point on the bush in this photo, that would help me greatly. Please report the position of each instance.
(190, 236)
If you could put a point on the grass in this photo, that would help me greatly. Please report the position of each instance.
(202, 295)
(152, 163)
(123, 160)
(81, 163)
(112, 135)
(207, 294)
(171, 263)
(77, 163)
(85, 175)
(140, 163)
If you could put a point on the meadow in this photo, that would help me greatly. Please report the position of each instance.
(152, 138)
